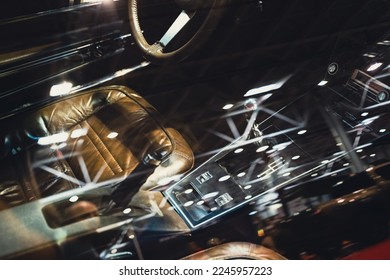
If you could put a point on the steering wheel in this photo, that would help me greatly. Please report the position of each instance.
(155, 52)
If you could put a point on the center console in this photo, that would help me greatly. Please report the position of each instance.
(225, 182)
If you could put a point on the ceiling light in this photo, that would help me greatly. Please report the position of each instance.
(242, 174)
(385, 42)
(383, 130)
(239, 150)
(247, 187)
(359, 151)
(79, 132)
(370, 169)
(262, 149)
(374, 66)
(267, 88)
(265, 97)
(224, 178)
(370, 55)
(303, 131)
(372, 155)
(295, 157)
(210, 195)
(314, 174)
(346, 164)
(112, 135)
(282, 146)
(322, 83)
(252, 213)
(188, 203)
(55, 138)
(364, 114)
(74, 198)
(61, 89)
(370, 120)
(228, 106)
(127, 211)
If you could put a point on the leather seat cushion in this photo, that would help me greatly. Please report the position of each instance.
(236, 250)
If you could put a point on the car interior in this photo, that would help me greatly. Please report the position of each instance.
(195, 130)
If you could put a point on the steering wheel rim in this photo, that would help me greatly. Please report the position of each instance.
(154, 52)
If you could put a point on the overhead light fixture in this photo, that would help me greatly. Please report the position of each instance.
(370, 55)
(228, 106)
(322, 83)
(188, 203)
(74, 198)
(262, 149)
(79, 132)
(295, 157)
(372, 155)
(52, 139)
(265, 97)
(282, 146)
(374, 66)
(224, 178)
(359, 151)
(370, 120)
(385, 42)
(383, 130)
(262, 89)
(364, 114)
(253, 213)
(61, 89)
(271, 151)
(303, 131)
(112, 135)
(126, 211)
(267, 88)
(239, 150)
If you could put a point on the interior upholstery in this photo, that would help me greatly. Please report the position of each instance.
(236, 250)
(109, 132)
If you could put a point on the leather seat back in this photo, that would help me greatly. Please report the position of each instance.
(102, 135)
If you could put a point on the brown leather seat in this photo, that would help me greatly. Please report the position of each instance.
(236, 250)
(101, 135)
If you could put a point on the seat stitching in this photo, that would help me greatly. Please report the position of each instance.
(105, 147)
